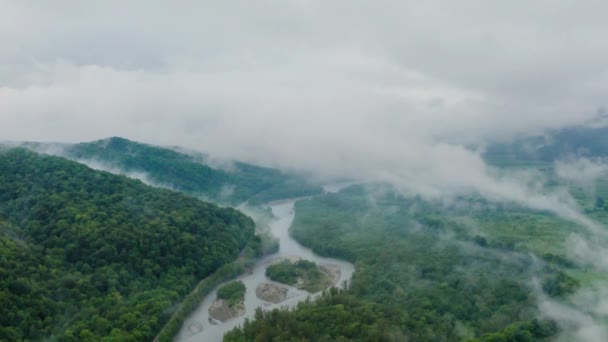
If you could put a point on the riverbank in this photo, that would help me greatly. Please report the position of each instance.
(193, 300)
(200, 292)
(288, 247)
(223, 311)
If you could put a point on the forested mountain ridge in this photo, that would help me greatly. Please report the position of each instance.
(87, 255)
(190, 173)
(581, 141)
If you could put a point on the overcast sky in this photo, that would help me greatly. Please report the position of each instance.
(302, 84)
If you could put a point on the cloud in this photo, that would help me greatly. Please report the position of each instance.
(582, 171)
(581, 319)
(589, 252)
(461, 71)
(382, 90)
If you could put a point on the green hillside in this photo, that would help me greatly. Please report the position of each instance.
(86, 255)
(233, 184)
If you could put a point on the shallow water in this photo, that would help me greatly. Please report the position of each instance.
(199, 319)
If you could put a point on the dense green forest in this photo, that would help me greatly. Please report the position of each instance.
(234, 183)
(341, 316)
(581, 141)
(87, 255)
(422, 273)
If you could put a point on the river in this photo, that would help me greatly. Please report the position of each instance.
(197, 326)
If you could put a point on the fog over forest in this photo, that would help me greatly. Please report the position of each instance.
(392, 91)
(410, 93)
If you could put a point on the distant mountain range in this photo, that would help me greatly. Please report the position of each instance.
(576, 141)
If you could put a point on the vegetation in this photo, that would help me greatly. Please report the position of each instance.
(437, 271)
(303, 273)
(421, 272)
(339, 316)
(231, 183)
(567, 142)
(265, 243)
(89, 256)
(233, 292)
(336, 316)
(193, 300)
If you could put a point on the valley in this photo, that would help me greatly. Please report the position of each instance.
(426, 269)
(210, 330)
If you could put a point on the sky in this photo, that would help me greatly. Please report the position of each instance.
(364, 88)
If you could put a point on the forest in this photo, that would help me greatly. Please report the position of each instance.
(87, 255)
(425, 270)
(581, 141)
(422, 273)
(192, 173)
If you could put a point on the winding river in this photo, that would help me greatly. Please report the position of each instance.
(197, 326)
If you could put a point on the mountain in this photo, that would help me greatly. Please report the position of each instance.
(582, 141)
(86, 255)
(191, 173)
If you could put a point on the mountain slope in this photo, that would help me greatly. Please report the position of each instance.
(86, 254)
(192, 174)
(579, 141)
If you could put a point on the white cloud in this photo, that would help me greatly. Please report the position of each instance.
(582, 171)
(582, 318)
(372, 90)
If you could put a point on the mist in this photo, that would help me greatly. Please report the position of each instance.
(577, 316)
(396, 92)
(408, 92)
(582, 171)
(300, 84)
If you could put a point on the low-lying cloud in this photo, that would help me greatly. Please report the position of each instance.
(582, 171)
(300, 84)
(366, 91)
(582, 317)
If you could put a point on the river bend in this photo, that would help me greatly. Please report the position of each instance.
(197, 327)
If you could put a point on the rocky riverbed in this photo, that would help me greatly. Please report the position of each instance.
(210, 325)
(221, 311)
(271, 293)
